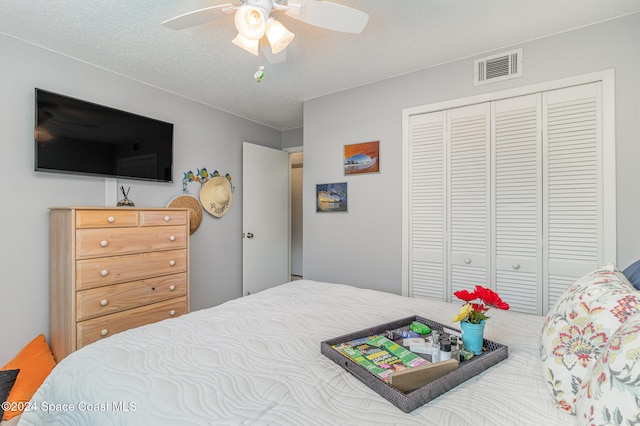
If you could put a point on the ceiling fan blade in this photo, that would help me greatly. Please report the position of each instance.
(332, 16)
(198, 17)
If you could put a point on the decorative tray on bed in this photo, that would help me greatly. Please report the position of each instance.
(438, 377)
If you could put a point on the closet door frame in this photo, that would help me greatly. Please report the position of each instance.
(607, 79)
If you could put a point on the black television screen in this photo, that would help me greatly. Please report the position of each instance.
(78, 137)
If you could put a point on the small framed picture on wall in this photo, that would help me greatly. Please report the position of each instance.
(332, 197)
(361, 158)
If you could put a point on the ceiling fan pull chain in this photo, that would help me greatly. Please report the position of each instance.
(258, 75)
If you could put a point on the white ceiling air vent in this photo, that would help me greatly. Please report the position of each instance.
(502, 66)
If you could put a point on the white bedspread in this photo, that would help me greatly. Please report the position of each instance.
(257, 360)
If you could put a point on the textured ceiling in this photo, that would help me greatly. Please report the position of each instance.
(202, 64)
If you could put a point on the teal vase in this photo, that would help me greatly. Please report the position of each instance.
(472, 336)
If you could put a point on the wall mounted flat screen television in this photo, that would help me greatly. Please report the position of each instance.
(79, 137)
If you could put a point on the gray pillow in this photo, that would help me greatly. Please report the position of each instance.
(633, 274)
(7, 379)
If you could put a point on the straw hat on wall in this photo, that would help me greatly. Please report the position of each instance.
(216, 196)
(195, 210)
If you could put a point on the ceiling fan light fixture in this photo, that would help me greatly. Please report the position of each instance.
(250, 46)
(278, 35)
(251, 22)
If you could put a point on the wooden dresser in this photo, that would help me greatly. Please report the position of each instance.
(112, 269)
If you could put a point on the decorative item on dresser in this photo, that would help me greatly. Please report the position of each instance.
(112, 269)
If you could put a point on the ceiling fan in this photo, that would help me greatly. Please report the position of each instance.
(258, 26)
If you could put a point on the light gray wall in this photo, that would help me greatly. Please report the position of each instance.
(296, 221)
(204, 137)
(292, 138)
(363, 247)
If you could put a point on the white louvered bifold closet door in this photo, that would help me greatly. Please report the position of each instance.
(572, 185)
(510, 194)
(469, 134)
(426, 206)
(517, 202)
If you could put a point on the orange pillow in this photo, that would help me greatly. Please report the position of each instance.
(35, 361)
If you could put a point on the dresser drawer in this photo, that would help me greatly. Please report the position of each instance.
(106, 218)
(99, 272)
(120, 297)
(95, 329)
(162, 217)
(110, 242)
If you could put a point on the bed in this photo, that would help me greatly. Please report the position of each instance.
(257, 360)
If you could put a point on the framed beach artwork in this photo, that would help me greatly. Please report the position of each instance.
(331, 197)
(362, 158)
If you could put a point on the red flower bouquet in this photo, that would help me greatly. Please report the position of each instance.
(475, 312)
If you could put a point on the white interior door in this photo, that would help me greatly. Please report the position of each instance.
(517, 202)
(573, 185)
(469, 196)
(265, 218)
(427, 192)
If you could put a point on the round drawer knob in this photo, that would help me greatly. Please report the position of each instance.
(467, 261)
(111, 219)
(516, 266)
(167, 218)
(104, 272)
(103, 243)
(172, 312)
(172, 262)
(172, 238)
(172, 287)
(104, 302)
(104, 332)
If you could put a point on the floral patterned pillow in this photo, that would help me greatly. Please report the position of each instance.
(578, 328)
(610, 394)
